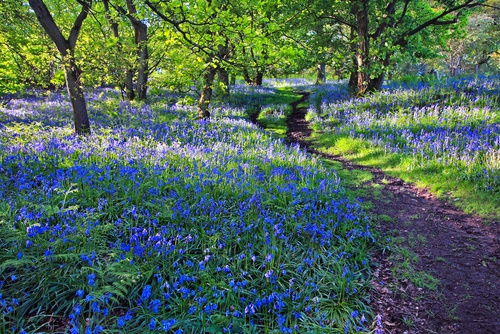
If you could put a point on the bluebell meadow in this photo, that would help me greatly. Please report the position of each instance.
(453, 123)
(160, 223)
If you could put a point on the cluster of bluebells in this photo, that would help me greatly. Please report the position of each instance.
(157, 222)
(454, 124)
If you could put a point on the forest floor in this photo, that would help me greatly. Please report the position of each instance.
(457, 251)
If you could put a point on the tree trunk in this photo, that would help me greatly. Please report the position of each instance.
(141, 40)
(206, 93)
(143, 53)
(246, 76)
(321, 74)
(129, 85)
(222, 73)
(377, 82)
(360, 9)
(353, 76)
(75, 91)
(258, 78)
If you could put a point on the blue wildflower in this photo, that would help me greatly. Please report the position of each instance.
(91, 279)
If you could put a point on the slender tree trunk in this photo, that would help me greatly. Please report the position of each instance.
(75, 92)
(258, 78)
(141, 40)
(353, 82)
(377, 82)
(360, 8)
(321, 74)
(353, 76)
(129, 85)
(247, 77)
(143, 53)
(206, 93)
(222, 72)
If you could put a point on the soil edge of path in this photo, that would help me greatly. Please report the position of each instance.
(459, 250)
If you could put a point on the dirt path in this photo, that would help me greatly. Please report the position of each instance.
(460, 250)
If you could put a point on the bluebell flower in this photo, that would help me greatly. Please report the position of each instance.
(77, 309)
(167, 324)
(91, 279)
(95, 307)
(154, 305)
(146, 292)
(250, 309)
(152, 324)
(121, 322)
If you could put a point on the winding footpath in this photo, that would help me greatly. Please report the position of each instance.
(461, 251)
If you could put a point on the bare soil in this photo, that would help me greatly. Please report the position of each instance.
(461, 251)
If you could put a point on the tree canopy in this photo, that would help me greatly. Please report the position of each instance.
(138, 44)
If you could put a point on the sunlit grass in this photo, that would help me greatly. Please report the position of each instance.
(443, 136)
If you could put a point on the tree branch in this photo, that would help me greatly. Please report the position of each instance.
(390, 10)
(77, 26)
(338, 20)
(437, 20)
(49, 25)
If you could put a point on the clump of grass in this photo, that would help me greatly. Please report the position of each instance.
(274, 118)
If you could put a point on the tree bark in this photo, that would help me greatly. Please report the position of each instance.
(141, 40)
(377, 82)
(128, 83)
(360, 10)
(258, 78)
(75, 91)
(143, 53)
(66, 48)
(321, 74)
(353, 76)
(246, 76)
(222, 72)
(206, 92)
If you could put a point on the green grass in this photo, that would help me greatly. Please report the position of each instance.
(440, 180)
(273, 118)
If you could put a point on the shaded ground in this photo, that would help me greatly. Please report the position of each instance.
(461, 251)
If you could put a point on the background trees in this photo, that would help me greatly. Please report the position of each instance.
(134, 44)
(26, 52)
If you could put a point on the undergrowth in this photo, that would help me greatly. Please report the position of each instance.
(159, 223)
